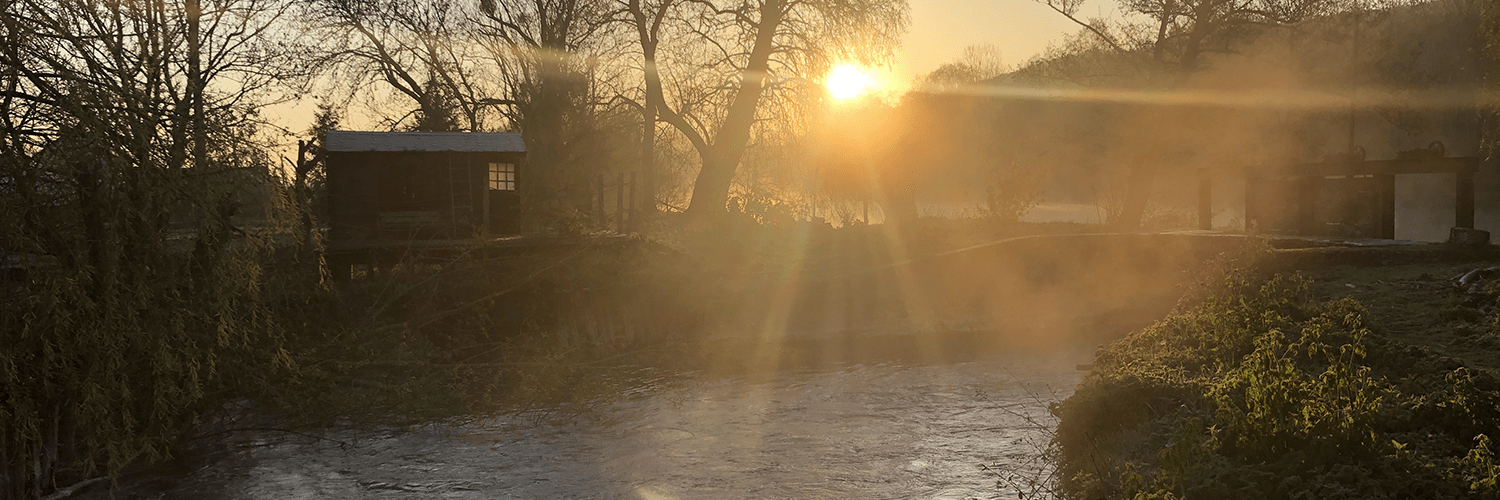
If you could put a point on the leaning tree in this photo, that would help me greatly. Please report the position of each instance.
(718, 71)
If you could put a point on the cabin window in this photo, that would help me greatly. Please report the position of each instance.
(502, 177)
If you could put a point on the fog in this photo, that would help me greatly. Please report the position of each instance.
(1077, 123)
(566, 202)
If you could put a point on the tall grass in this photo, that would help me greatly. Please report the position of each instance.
(121, 330)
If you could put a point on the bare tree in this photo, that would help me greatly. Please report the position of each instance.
(419, 50)
(1179, 32)
(731, 67)
(976, 64)
(551, 54)
(647, 21)
(127, 138)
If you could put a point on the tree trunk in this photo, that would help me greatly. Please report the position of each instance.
(1159, 48)
(1137, 193)
(303, 192)
(648, 159)
(647, 29)
(711, 189)
(195, 82)
(1203, 24)
(722, 156)
(898, 198)
(1489, 27)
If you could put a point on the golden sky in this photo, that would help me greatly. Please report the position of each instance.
(940, 29)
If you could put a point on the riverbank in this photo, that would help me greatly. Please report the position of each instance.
(470, 340)
(583, 325)
(1307, 373)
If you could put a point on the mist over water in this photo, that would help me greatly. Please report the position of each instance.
(948, 403)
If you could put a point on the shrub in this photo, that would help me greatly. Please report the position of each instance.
(1253, 388)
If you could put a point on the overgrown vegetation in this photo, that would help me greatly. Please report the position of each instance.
(1256, 388)
(131, 310)
(465, 338)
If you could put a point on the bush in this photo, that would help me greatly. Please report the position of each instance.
(116, 343)
(1253, 388)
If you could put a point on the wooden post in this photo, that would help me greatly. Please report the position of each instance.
(620, 202)
(488, 223)
(630, 204)
(1387, 185)
(603, 219)
(1463, 206)
(1205, 200)
(1307, 202)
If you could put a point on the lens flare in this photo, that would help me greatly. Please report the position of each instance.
(847, 81)
(1289, 99)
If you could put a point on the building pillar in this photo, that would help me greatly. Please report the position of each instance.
(1463, 206)
(1205, 200)
(620, 202)
(1386, 183)
(1252, 200)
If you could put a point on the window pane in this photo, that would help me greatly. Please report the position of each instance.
(502, 176)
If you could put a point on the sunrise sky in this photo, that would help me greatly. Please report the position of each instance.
(940, 29)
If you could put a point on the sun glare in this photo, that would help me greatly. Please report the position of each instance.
(847, 81)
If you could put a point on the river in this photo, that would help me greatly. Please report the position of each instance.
(879, 430)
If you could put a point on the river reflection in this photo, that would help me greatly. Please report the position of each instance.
(866, 431)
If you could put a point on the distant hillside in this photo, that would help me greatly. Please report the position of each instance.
(1085, 113)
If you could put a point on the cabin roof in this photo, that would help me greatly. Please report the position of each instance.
(477, 142)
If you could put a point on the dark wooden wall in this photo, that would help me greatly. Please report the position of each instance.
(386, 196)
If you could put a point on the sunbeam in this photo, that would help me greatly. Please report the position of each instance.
(1286, 99)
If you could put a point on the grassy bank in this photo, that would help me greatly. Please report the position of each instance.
(561, 323)
(572, 321)
(1271, 382)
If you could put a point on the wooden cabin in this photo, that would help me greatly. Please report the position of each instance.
(389, 188)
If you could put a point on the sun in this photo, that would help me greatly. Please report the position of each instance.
(847, 81)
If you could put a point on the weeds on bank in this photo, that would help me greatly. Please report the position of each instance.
(1037, 475)
(1254, 388)
(463, 339)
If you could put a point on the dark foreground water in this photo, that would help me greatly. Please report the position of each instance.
(863, 431)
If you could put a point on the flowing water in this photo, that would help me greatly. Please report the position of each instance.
(882, 430)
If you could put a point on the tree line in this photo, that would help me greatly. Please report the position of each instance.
(604, 84)
(156, 249)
